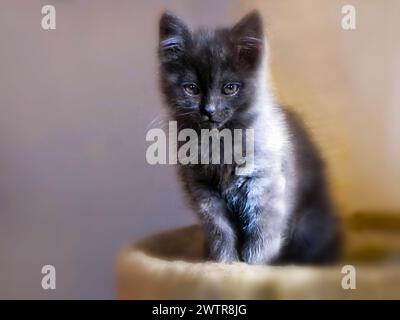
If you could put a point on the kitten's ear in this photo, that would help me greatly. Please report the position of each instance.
(174, 35)
(248, 38)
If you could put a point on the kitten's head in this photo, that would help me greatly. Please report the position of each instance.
(209, 77)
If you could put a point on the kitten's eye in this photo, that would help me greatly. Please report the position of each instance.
(191, 89)
(231, 89)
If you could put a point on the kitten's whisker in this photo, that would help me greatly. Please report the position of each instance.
(184, 114)
(158, 122)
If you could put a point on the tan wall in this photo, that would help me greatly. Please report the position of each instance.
(346, 84)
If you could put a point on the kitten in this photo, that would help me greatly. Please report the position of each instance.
(281, 211)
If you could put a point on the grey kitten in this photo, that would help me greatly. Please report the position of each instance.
(281, 211)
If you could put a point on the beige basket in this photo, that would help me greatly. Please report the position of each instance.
(171, 265)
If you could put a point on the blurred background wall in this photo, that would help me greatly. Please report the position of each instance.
(76, 103)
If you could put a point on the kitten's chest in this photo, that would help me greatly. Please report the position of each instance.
(232, 188)
(220, 176)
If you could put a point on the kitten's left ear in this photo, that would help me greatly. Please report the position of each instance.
(174, 36)
(248, 38)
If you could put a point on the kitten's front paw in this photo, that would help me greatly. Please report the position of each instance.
(224, 255)
(228, 258)
(257, 250)
(252, 254)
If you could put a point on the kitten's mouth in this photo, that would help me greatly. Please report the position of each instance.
(207, 122)
(213, 124)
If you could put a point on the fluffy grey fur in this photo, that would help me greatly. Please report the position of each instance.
(281, 211)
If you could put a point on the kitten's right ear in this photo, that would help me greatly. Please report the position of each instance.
(247, 36)
(174, 35)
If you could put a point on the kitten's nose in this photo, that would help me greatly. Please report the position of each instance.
(209, 110)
